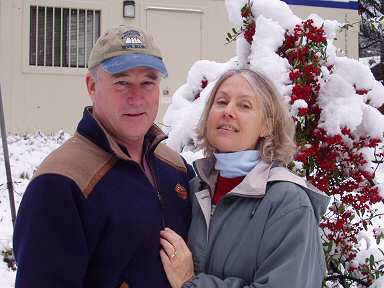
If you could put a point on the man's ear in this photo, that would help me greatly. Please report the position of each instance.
(91, 85)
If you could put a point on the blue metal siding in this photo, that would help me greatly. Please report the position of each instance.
(325, 3)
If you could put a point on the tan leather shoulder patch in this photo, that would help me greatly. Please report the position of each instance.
(171, 157)
(80, 160)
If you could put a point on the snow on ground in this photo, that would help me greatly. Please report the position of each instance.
(26, 153)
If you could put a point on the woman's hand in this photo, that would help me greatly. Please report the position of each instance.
(176, 258)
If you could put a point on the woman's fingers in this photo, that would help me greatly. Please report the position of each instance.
(176, 258)
(172, 274)
(173, 238)
(165, 259)
(168, 248)
(170, 235)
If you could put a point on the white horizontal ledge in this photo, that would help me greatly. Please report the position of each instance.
(174, 9)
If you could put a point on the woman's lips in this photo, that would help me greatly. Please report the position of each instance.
(227, 127)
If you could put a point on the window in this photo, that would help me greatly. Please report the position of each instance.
(62, 37)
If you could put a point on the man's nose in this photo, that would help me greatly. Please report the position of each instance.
(134, 96)
(133, 91)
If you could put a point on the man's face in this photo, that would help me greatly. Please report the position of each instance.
(126, 103)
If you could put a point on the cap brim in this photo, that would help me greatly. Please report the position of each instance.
(125, 62)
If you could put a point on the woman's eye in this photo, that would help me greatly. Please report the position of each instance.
(221, 102)
(246, 106)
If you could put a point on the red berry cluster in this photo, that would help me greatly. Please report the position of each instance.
(361, 91)
(203, 84)
(249, 25)
(249, 31)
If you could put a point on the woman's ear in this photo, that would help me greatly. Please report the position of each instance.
(266, 130)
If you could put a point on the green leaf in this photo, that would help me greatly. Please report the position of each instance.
(371, 261)
(327, 247)
(342, 208)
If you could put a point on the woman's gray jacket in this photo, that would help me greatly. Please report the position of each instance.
(264, 233)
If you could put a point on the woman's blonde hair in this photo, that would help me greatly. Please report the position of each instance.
(279, 144)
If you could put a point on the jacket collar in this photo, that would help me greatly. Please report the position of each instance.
(205, 169)
(255, 183)
(93, 130)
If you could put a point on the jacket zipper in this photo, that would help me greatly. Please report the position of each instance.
(159, 197)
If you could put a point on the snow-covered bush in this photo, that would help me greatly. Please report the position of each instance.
(339, 131)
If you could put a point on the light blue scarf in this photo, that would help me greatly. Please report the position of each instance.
(236, 164)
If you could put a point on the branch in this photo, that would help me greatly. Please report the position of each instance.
(381, 109)
(342, 278)
(371, 42)
(370, 7)
(334, 268)
(346, 277)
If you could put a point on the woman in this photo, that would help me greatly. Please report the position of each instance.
(254, 224)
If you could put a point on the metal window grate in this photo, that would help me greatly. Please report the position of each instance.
(62, 37)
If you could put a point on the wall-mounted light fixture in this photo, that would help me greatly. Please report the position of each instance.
(129, 9)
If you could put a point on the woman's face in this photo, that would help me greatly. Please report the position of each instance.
(235, 121)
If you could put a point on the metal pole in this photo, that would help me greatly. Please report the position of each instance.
(6, 162)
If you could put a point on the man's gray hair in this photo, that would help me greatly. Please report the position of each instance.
(95, 73)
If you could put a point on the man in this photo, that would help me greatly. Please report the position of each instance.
(92, 214)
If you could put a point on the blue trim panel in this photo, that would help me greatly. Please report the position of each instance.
(324, 3)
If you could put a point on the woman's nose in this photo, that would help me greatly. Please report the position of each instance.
(229, 110)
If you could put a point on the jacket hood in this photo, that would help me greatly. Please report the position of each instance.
(255, 183)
